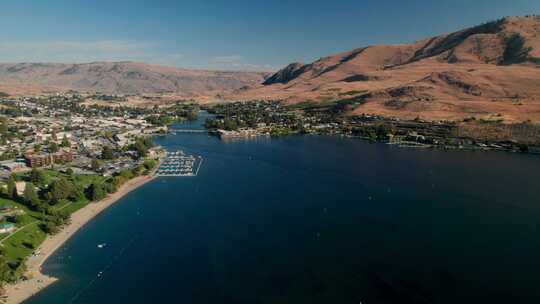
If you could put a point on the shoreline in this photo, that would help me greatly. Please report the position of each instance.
(23, 290)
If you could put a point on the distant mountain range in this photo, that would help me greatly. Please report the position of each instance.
(486, 71)
(122, 78)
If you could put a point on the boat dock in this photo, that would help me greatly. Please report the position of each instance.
(179, 164)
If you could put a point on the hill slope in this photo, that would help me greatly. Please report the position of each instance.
(491, 70)
(122, 77)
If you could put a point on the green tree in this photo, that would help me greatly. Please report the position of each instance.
(149, 164)
(60, 189)
(140, 148)
(69, 171)
(65, 142)
(11, 188)
(53, 147)
(37, 177)
(30, 196)
(3, 126)
(96, 165)
(5, 270)
(38, 148)
(107, 153)
(50, 228)
(96, 192)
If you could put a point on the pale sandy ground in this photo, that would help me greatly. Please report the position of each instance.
(21, 291)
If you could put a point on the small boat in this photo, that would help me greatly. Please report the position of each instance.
(101, 245)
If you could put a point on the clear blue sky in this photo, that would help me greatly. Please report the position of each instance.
(228, 34)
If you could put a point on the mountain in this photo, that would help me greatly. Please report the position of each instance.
(122, 78)
(490, 70)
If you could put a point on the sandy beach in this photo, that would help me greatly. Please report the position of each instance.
(23, 290)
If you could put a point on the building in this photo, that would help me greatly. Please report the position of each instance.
(20, 188)
(12, 165)
(7, 228)
(36, 160)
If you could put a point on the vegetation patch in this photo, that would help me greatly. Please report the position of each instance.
(353, 92)
(515, 51)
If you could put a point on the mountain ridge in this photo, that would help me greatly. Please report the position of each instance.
(489, 70)
(123, 77)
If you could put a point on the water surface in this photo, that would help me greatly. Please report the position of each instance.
(314, 219)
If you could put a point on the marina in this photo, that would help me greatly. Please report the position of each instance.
(179, 164)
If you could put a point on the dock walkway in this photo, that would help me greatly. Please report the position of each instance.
(179, 164)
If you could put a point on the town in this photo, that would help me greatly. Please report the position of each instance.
(272, 118)
(61, 151)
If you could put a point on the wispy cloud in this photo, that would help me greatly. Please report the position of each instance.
(85, 51)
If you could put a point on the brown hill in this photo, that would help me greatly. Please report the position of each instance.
(122, 78)
(491, 70)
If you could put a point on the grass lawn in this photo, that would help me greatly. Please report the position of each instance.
(8, 202)
(21, 244)
(75, 206)
(50, 175)
(85, 180)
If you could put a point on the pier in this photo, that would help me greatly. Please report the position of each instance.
(179, 164)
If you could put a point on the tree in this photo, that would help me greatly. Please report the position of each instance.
(11, 188)
(50, 228)
(60, 189)
(37, 148)
(37, 177)
(3, 125)
(95, 192)
(141, 146)
(53, 147)
(149, 164)
(107, 153)
(5, 270)
(96, 165)
(69, 171)
(30, 196)
(110, 186)
(65, 142)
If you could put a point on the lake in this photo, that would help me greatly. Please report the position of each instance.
(314, 219)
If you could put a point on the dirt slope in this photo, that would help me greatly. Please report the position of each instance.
(122, 77)
(491, 70)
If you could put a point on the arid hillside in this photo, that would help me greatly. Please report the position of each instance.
(121, 78)
(491, 71)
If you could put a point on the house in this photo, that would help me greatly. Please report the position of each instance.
(7, 228)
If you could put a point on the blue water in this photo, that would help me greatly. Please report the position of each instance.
(314, 219)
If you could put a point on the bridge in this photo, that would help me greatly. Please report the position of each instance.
(175, 131)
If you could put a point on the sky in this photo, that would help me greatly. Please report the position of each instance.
(228, 34)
